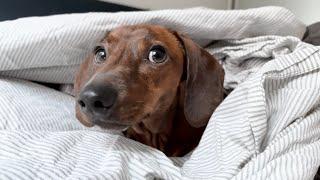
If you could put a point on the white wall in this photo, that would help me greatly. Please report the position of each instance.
(165, 4)
(308, 11)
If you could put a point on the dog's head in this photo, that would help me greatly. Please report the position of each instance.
(135, 72)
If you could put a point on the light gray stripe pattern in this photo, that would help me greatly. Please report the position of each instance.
(59, 43)
(267, 128)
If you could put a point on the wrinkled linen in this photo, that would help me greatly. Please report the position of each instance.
(267, 128)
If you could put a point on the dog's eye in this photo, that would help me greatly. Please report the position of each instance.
(100, 54)
(157, 54)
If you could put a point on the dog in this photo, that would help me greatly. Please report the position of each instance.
(154, 84)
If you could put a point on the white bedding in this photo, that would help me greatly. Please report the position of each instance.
(267, 128)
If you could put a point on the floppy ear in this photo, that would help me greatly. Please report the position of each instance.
(204, 83)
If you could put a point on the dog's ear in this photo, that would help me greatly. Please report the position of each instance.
(204, 78)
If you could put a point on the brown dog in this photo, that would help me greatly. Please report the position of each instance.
(158, 85)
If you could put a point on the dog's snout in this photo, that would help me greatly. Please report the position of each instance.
(97, 99)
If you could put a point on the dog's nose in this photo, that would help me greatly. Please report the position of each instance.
(97, 99)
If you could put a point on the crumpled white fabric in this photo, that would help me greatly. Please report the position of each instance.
(267, 128)
(51, 48)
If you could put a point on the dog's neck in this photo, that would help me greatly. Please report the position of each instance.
(156, 130)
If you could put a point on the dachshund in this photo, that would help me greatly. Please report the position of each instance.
(156, 85)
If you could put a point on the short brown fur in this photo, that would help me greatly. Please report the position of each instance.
(166, 106)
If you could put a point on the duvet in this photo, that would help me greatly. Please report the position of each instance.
(268, 127)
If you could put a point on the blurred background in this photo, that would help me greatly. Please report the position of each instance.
(306, 10)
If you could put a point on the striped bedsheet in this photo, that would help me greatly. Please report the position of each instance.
(267, 128)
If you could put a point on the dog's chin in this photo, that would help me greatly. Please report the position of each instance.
(111, 125)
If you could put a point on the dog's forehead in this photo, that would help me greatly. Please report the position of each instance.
(130, 32)
(137, 39)
(137, 32)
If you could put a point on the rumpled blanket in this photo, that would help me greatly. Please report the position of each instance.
(268, 127)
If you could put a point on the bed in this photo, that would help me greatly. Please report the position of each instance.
(268, 127)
